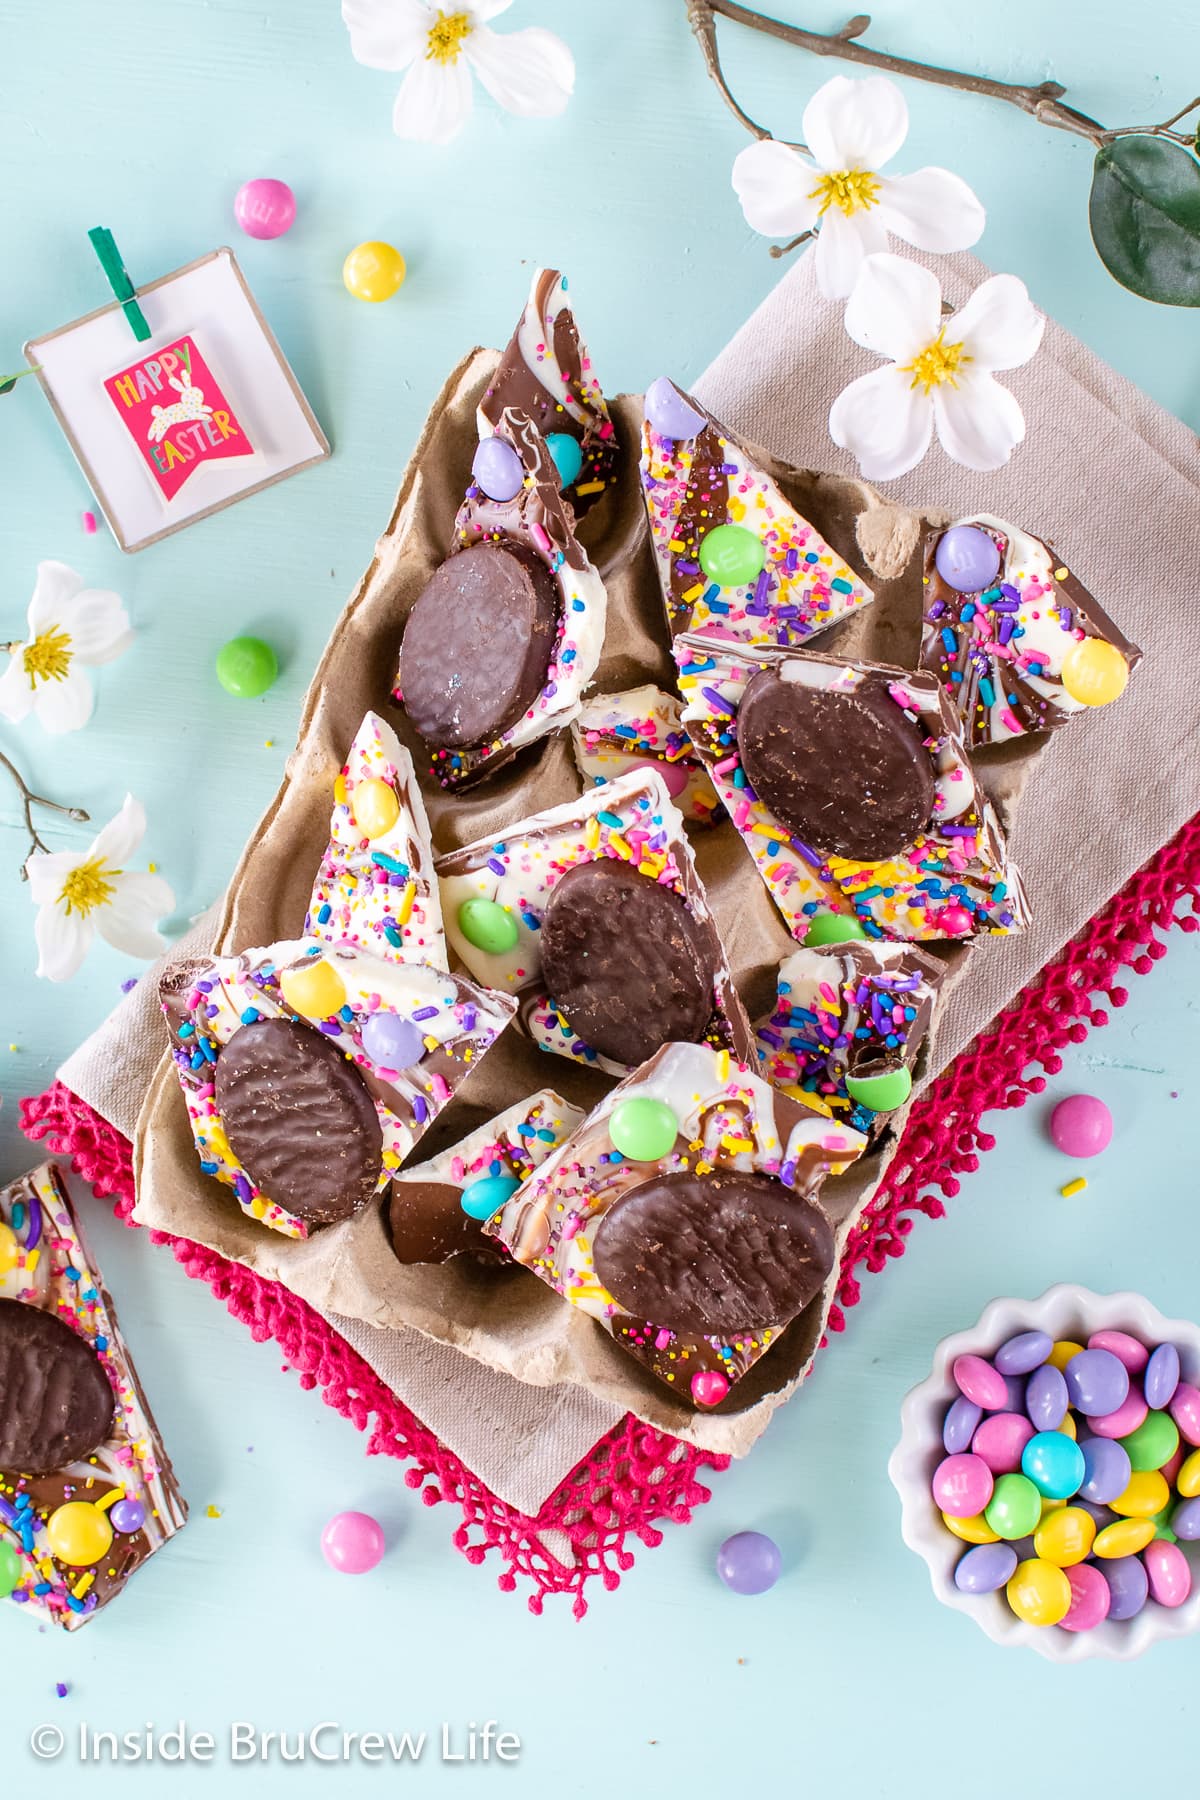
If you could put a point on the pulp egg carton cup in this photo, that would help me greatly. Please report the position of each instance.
(1065, 1311)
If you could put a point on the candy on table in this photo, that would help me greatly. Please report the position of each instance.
(593, 916)
(1104, 1500)
(353, 1543)
(749, 1562)
(438, 1208)
(546, 372)
(376, 887)
(792, 740)
(735, 559)
(1081, 1125)
(615, 733)
(847, 1026)
(311, 1071)
(1018, 642)
(265, 207)
(246, 667)
(87, 1492)
(500, 645)
(684, 1216)
(374, 271)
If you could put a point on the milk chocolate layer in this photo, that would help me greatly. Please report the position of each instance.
(57, 1405)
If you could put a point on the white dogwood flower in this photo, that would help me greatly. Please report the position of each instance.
(851, 129)
(69, 626)
(529, 72)
(78, 896)
(941, 372)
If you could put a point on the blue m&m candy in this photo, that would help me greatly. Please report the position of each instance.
(485, 1196)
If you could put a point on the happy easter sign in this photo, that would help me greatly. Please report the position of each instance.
(176, 414)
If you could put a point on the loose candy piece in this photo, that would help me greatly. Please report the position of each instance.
(1039, 1593)
(1022, 1354)
(1128, 1586)
(1000, 1441)
(1091, 1598)
(246, 667)
(1097, 1382)
(962, 1486)
(1145, 1495)
(1054, 1464)
(1184, 1408)
(1106, 1469)
(1162, 1376)
(1187, 1479)
(1046, 1397)
(353, 1543)
(265, 207)
(1154, 1442)
(749, 1562)
(1124, 1420)
(979, 1381)
(374, 271)
(985, 1568)
(1081, 1125)
(972, 1531)
(1168, 1573)
(1015, 1508)
(1126, 1349)
(1065, 1536)
(1185, 1520)
(1124, 1537)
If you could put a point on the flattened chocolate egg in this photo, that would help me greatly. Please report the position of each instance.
(713, 1254)
(477, 645)
(56, 1405)
(847, 773)
(299, 1119)
(625, 961)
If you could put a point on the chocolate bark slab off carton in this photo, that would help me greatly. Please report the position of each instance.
(87, 1491)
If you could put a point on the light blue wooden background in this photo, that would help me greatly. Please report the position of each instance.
(146, 118)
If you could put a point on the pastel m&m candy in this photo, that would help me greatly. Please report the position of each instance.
(980, 1382)
(1153, 1443)
(731, 556)
(1184, 1408)
(967, 558)
(265, 207)
(1168, 1573)
(984, 1568)
(1000, 1440)
(1039, 1593)
(1014, 1508)
(352, 1543)
(1126, 1349)
(1162, 1376)
(1022, 1354)
(1188, 1478)
(374, 271)
(1054, 1463)
(1065, 1536)
(1124, 1537)
(1046, 1397)
(1125, 1420)
(246, 667)
(1091, 1598)
(1081, 1125)
(1097, 1382)
(1094, 672)
(749, 1562)
(1145, 1494)
(1106, 1469)
(1128, 1586)
(669, 413)
(962, 1486)
(958, 1428)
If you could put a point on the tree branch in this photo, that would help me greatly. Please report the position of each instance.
(28, 801)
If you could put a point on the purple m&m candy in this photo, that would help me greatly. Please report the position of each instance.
(1024, 1353)
(392, 1042)
(127, 1516)
(984, 1568)
(1046, 1398)
(967, 559)
(498, 469)
(980, 1382)
(1161, 1377)
(749, 1562)
(1128, 1586)
(670, 413)
(959, 1425)
(1185, 1521)
(1106, 1469)
(1097, 1382)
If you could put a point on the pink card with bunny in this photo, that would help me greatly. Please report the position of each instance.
(177, 414)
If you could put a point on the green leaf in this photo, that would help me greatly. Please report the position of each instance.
(6, 387)
(1145, 218)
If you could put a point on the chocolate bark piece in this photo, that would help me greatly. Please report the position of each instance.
(376, 886)
(845, 770)
(537, 528)
(716, 1253)
(953, 880)
(477, 645)
(124, 1472)
(728, 1124)
(1000, 649)
(512, 881)
(626, 961)
(427, 1220)
(615, 733)
(546, 372)
(57, 1402)
(435, 1025)
(299, 1119)
(696, 485)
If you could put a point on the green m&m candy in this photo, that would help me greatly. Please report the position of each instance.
(488, 925)
(882, 1093)
(643, 1129)
(1153, 1443)
(246, 667)
(732, 556)
(11, 1569)
(832, 928)
(1014, 1508)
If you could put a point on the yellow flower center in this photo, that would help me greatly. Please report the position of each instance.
(48, 657)
(937, 363)
(850, 190)
(87, 887)
(446, 36)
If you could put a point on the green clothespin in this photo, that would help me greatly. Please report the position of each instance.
(103, 244)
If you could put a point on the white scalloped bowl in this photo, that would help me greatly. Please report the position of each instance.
(1064, 1311)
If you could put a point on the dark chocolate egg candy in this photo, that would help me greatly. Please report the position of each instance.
(847, 773)
(625, 961)
(299, 1119)
(713, 1254)
(56, 1404)
(477, 645)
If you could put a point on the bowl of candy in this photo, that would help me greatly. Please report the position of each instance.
(1049, 1474)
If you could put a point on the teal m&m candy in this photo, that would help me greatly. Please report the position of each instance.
(732, 556)
(832, 928)
(566, 454)
(881, 1093)
(1014, 1508)
(643, 1129)
(488, 925)
(484, 1197)
(11, 1569)
(246, 667)
(1054, 1463)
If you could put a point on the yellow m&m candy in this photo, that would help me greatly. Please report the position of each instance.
(374, 807)
(10, 1249)
(1094, 672)
(1146, 1495)
(1124, 1537)
(78, 1533)
(1065, 1537)
(314, 989)
(1038, 1592)
(974, 1530)
(374, 271)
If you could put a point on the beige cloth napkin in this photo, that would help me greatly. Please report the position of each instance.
(1113, 480)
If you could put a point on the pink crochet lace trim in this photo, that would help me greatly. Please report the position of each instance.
(636, 1477)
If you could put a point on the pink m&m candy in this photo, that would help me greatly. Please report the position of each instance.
(674, 774)
(1000, 1440)
(1081, 1125)
(1090, 1598)
(265, 208)
(1168, 1572)
(352, 1542)
(1126, 1349)
(980, 1382)
(1123, 1419)
(1184, 1408)
(962, 1486)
